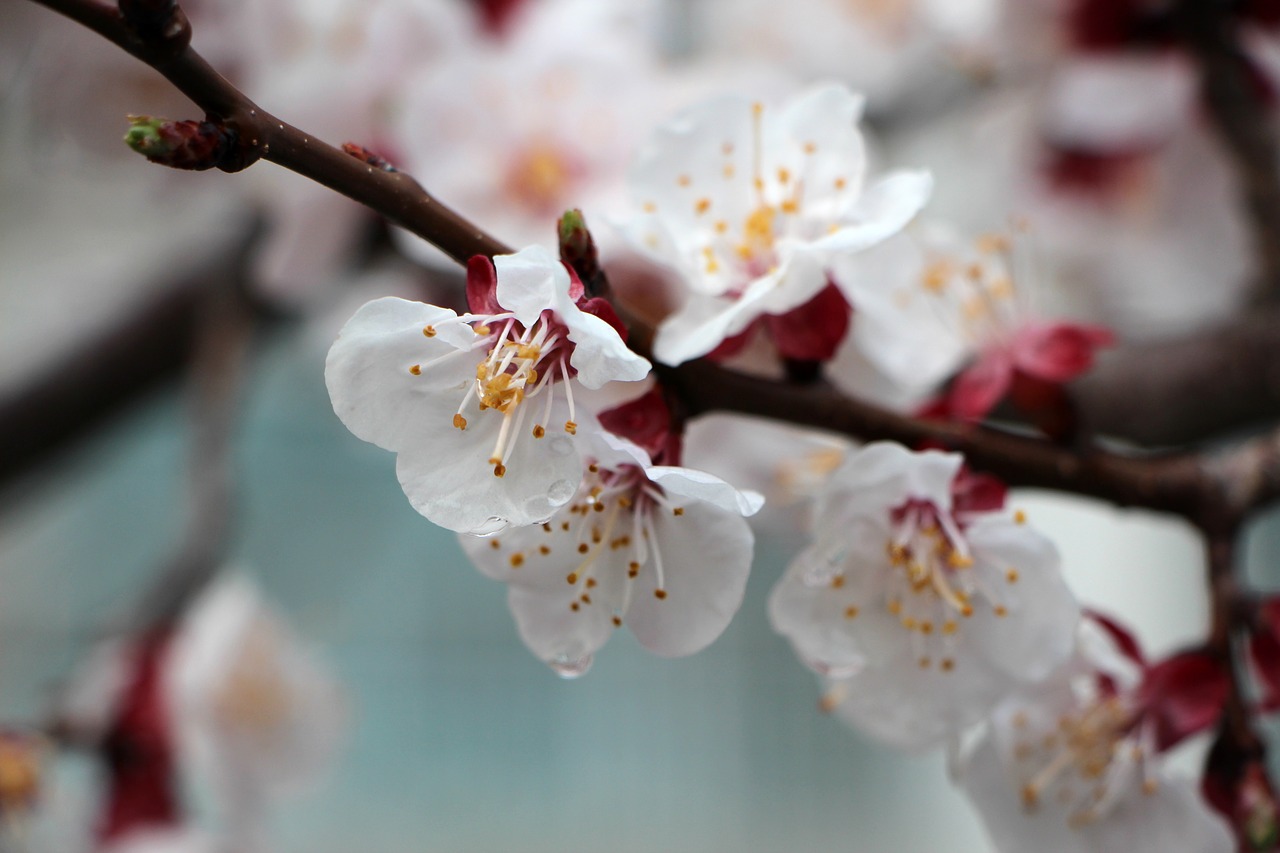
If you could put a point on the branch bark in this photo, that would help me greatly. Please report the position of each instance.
(1234, 102)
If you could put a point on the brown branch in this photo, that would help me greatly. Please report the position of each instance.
(1234, 102)
(1188, 388)
(1214, 492)
(395, 195)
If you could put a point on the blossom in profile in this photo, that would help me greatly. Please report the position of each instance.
(928, 304)
(479, 407)
(749, 205)
(662, 549)
(919, 598)
(1074, 763)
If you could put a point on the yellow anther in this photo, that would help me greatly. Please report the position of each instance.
(416, 369)
(679, 510)
(701, 206)
(810, 147)
(936, 276)
(850, 612)
(992, 244)
(499, 470)
(948, 664)
(571, 427)
(539, 431)
(1000, 610)
(1011, 576)
(784, 175)
(495, 544)
(959, 561)
(909, 623)
(728, 171)
(721, 226)
(649, 207)
(660, 594)
(429, 331)
(790, 206)
(617, 621)
(684, 180)
(950, 627)
(571, 578)
(459, 421)
(1020, 517)
(837, 582)
(481, 330)
(840, 183)
(544, 550)
(925, 663)
(894, 607)
(926, 627)
(517, 560)
(633, 569)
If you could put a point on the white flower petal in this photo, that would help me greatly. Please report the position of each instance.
(879, 213)
(368, 370)
(599, 353)
(1119, 102)
(706, 556)
(529, 282)
(701, 486)
(1039, 633)
(449, 479)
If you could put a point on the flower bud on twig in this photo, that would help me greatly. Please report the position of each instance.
(194, 145)
(578, 250)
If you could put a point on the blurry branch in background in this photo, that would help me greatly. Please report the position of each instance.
(1235, 100)
(134, 354)
(215, 385)
(158, 33)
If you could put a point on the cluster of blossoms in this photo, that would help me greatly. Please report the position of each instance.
(924, 605)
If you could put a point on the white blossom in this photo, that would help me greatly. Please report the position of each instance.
(662, 549)
(923, 611)
(1067, 765)
(749, 205)
(479, 407)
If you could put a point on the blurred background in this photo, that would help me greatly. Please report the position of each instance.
(454, 737)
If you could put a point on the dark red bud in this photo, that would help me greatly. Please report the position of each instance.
(578, 252)
(193, 145)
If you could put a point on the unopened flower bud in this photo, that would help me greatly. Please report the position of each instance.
(578, 250)
(194, 145)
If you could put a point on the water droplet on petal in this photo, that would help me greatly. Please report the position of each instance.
(560, 492)
(569, 667)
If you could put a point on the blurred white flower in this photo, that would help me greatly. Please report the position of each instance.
(1067, 766)
(926, 608)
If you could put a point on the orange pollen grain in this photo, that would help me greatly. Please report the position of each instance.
(617, 622)
(583, 548)
(1000, 610)
(544, 550)
(572, 578)
(633, 569)
(850, 612)
(591, 583)
(948, 664)
(684, 180)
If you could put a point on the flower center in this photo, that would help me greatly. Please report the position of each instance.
(613, 515)
(935, 583)
(540, 176)
(1083, 766)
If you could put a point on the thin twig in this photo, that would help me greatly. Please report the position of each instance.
(395, 195)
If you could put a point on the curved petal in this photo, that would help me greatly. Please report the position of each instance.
(599, 353)
(554, 631)
(882, 211)
(530, 282)
(369, 371)
(449, 479)
(701, 486)
(994, 792)
(1039, 632)
(706, 556)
